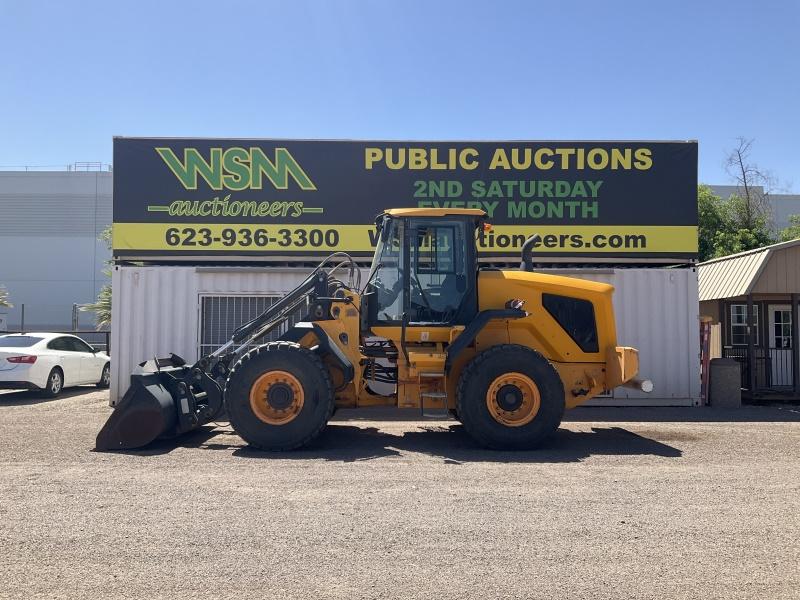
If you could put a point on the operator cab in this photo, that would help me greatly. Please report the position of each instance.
(425, 268)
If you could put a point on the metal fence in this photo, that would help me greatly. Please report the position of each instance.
(76, 166)
(773, 367)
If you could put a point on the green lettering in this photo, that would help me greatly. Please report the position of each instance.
(594, 186)
(517, 209)
(278, 172)
(193, 165)
(555, 209)
(510, 185)
(235, 161)
(490, 207)
(578, 190)
(494, 190)
(536, 209)
(562, 189)
(527, 189)
(572, 205)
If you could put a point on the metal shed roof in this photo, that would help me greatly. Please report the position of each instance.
(736, 275)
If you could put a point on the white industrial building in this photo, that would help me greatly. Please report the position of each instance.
(51, 256)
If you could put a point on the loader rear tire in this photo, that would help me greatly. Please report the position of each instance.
(510, 397)
(279, 396)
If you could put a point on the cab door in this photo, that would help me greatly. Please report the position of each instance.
(441, 284)
(423, 279)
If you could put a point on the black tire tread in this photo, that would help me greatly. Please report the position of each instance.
(473, 367)
(100, 383)
(46, 390)
(283, 346)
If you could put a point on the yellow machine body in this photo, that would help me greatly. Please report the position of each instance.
(584, 375)
(503, 351)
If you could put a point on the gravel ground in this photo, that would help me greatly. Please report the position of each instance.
(658, 503)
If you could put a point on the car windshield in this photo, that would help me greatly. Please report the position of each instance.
(18, 341)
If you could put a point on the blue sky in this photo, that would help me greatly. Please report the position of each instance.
(75, 74)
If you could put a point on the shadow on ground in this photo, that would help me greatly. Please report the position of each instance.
(449, 441)
(30, 398)
(687, 414)
(602, 414)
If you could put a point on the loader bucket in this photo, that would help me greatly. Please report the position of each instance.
(145, 413)
(160, 403)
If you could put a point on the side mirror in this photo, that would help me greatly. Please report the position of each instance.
(96, 349)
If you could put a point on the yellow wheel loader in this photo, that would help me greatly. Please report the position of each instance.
(503, 351)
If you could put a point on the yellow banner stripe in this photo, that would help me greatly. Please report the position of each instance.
(502, 239)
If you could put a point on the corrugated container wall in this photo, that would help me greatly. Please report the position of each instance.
(157, 310)
(657, 311)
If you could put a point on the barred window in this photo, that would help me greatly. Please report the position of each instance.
(221, 315)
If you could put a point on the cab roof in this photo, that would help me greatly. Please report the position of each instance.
(434, 212)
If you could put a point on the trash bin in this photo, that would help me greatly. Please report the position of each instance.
(725, 383)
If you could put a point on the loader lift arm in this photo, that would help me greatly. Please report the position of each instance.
(167, 397)
(316, 285)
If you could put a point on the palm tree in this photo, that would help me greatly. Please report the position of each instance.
(4, 302)
(101, 308)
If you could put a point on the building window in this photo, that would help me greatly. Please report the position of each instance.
(782, 328)
(739, 324)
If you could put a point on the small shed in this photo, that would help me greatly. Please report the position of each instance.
(754, 297)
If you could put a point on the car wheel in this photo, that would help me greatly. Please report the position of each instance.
(105, 378)
(55, 383)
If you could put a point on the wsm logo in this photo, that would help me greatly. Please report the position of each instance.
(236, 168)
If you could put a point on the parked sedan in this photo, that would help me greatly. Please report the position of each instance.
(50, 362)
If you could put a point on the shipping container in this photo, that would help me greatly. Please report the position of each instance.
(191, 310)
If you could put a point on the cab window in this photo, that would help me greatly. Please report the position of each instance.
(386, 273)
(438, 281)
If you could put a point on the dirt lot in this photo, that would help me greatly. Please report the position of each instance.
(706, 505)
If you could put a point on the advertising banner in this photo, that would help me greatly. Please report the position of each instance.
(229, 198)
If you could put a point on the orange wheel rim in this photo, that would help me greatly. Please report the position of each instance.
(276, 397)
(513, 399)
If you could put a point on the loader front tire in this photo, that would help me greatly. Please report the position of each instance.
(510, 397)
(279, 396)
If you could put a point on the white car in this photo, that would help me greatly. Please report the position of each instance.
(50, 362)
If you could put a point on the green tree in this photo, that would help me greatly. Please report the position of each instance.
(710, 220)
(102, 307)
(4, 301)
(729, 226)
(792, 232)
(745, 229)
